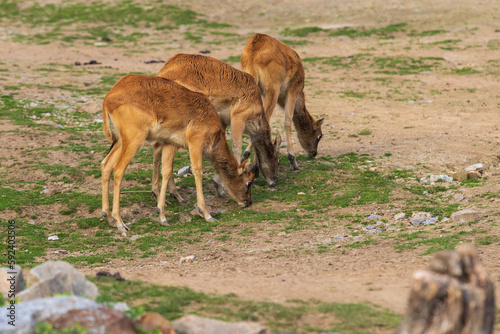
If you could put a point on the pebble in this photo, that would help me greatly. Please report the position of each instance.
(135, 237)
(53, 237)
(301, 193)
(374, 217)
(187, 259)
(444, 177)
(400, 216)
(431, 221)
(458, 197)
(184, 171)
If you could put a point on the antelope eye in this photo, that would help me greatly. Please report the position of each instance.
(249, 184)
(319, 137)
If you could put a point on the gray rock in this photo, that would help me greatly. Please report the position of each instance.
(418, 218)
(400, 216)
(465, 216)
(425, 180)
(431, 221)
(56, 277)
(458, 197)
(443, 177)
(374, 217)
(184, 171)
(476, 167)
(27, 314)
(135, 237)
(192, 324)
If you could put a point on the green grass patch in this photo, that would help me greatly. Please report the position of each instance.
(294, 315)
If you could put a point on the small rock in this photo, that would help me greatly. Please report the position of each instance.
(418, 218)
(61, 251)
(374, 217)
(400, 216)
(370, 227)
(458, 197)
(424, 180)
(476, 168)
(431, 221)
(53, 237)
(192, 324)
(187, 259)
(459, 176)
(89, 108)
(465, 216)
(281, 234)
(474, 175)
(152, 322)
(135, 237)
(443, 177)
(120, 306)
(301, 193)
(184, 171)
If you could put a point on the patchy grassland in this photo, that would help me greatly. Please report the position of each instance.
(331, 195)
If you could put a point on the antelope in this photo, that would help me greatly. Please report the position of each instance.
(144, 107)
(280, 76)
(236, 98)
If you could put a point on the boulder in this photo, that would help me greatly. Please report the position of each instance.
(154, 321)
(459, 176)
(97, 320)
(192, 324)
(465, 216)
(454, 295)
(54, 277)
(28, 314)
(89, 108)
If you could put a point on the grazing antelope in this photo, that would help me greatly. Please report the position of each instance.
(280, 76)
(143, 107)
(237, 100)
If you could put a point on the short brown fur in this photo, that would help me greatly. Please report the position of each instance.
(236, 98)
(143, 107)
(280, 77)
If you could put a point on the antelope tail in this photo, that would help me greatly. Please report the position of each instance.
(108, 132)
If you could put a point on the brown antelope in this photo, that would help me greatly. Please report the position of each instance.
(143, 107)
(237, 100)
(280, 76)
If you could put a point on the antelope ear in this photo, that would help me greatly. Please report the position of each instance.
(318, 123)
(277, 142)
(253, 168)
(241, 167)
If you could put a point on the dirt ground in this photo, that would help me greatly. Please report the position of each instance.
(450, 122)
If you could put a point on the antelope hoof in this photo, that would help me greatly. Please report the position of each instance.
(104, 214)
(293, 163)
(179, 199)
(153, 195)
(210, 219)
(123, 228)
(245, 156)
(164, 222)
